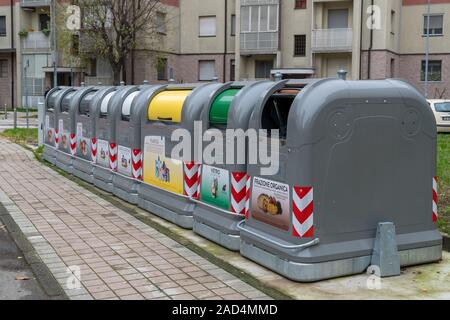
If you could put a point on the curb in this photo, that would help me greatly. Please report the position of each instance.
(40, 270)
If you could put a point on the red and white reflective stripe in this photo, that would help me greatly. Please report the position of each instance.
(238, 192)
(191, 179)
(199, 186)
(137, 164)
(113, 150)
(56, 138)
(73, 144)
(303, 212)
(247, 196)
(94, 149)
(435, 199)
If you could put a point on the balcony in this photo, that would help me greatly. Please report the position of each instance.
(35, 3)
(259, 42)
(332, 40)
(36, 42)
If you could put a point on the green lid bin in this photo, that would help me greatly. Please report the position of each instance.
(219, 110)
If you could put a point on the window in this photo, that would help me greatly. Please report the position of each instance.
(338, 19)
(233, 24)
(44, 22)
(93, 67)
(442, 107)
(161, 22)
(259, 18)
(436, 25)
(206, 70)
(300, 4)
(3, 68)
(207, 26)
(232, 70)
(392, 68)
(2, 26)
(434, 71)
(300, 45)
(162, 69)
(263, 68)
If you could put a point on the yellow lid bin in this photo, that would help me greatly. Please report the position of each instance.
(168, 106)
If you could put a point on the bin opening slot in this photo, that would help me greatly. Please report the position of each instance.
(167, 106)
(105, 103)
(127, 104)
(67, 100)
(218, 114)
(51, 101)
(276, 112)
(85, 104)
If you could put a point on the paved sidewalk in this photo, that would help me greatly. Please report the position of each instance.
(119, 256)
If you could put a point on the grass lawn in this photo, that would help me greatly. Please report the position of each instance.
(21, 135)
(443, 172)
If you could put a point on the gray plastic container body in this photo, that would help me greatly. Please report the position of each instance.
(105, 132)
(51, 136)
(127, 179)
(171, 206)
(85, 117)
(368, 151)
(210, 221)
(66, 129)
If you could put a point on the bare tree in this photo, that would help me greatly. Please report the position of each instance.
(111, 29)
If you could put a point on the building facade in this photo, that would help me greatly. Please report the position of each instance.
(200, 40)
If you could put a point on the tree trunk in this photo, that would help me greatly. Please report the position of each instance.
(116, 74)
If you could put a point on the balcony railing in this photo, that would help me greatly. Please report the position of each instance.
(326, 40)
(35, 3)
(259, 42)
(36, 42)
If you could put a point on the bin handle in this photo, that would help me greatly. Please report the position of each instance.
(165, 119)
(292, 247)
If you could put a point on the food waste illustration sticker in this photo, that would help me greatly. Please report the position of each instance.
(270, 203)
(125, 161)
(215, 187)
(103, 153)
(160, 170)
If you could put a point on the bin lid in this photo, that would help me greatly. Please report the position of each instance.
(219, 109)
(126, 108)
(105, 102)
(168, 106)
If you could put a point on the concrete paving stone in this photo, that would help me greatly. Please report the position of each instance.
(119, 285)
(194, 288)
(153, 295)
(132, 297)
(174, 291)
(97, 288)
(125, 292)
(104, 295)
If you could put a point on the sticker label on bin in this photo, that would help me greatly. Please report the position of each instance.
(125, 166)
(271, 203)
(215, 187)
(103, 153)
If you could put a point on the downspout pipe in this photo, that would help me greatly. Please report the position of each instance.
(369, 53)
(225, 43)
(12, 56)
(361, 40)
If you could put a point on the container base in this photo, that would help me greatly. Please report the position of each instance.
(132, 198)
(184, 221)
(83, 170)
(64, 161)
(302, 272)
(49, 154)
(126, 188)
(103, 178)
(231, 242)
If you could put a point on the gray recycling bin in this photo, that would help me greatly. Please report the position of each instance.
(66, 129)
(127, 180)
(353, 154)
(103, 168)
(85, 116)
(222, 196)
(52, 109)
(169, 183)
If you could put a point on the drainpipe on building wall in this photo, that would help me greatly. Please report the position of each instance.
(369, 52)
(279, 55)
(361, 40)
(12, 60)
(225, 43)
(132, 50)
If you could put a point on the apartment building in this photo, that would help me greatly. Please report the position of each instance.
(200, 40)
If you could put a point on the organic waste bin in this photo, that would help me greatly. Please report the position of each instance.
(222, 197)
(85, 116)
(105, 159)
(169, 183)
(353, 154)
(52, 109)
(127, 180)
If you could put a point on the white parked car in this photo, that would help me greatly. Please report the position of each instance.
(441, 110)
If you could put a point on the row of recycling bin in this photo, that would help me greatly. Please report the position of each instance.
(352, 154)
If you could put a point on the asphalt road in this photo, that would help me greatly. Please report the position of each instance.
(13, 265)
